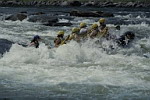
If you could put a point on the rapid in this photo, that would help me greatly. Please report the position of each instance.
(75, 71)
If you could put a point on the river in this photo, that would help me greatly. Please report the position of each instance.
(74, 71)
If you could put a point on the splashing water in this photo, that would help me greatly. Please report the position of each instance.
(74, 71)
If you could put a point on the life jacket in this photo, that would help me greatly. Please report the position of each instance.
(83, 33)
(103, 32)
(72, 36)
(93, 33)
(59, 41)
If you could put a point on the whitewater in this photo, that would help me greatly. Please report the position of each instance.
(75, 71)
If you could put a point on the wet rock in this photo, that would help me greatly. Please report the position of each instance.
(65, 3)
(9, 3)
(15, 17)
(43, 19)
(130, 4)
(119, 4)
(50, 20)
(58, 24)
(88, 4)
(48, 3)
(5, 45)
(91, 14)
(141, 4)
(34, 2)
(107, 4)
(74, 3)
(110, 4)
(38, 13)
(55, 3)
(24, 12)
(91, 3)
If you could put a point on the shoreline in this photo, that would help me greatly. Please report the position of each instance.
(15, 3)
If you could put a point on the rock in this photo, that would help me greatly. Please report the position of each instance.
(19, 16)
(74, 3)
(55, 3)
(91, 14)
(23, 12)
(9, 3)
(38, 13)
(48, 3)
(110, 4)
(91, 3)
(43, 19)
(130, 4)
(65, 3)
(34, 3)
(104, 14)
(58, 24)
(49, 20)
(5, 45)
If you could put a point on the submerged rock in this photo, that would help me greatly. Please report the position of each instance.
(91, 14)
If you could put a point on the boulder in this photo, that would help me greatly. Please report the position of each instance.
(5, 45)
(130, 4)
(91, 14)
(55, 3)
(75, 3)
(91, 3)
(15, 17)
(38, 13)
(43, 19)
(50, 20)
(58, 24)
(23, 12)
(65, 3)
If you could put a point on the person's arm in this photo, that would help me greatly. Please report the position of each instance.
(32, 43)
(93, 34)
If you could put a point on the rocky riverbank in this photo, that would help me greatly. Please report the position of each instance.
(13, 3)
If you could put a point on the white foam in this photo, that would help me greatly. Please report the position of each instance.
(72, 63)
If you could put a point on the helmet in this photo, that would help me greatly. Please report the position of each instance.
(82, 25)
(37, 37)
(75, 30)
(94, 26)
(102, 20)
(61, 33)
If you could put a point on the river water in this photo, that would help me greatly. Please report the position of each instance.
(74, 71)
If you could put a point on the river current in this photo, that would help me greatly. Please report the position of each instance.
(75, 71)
